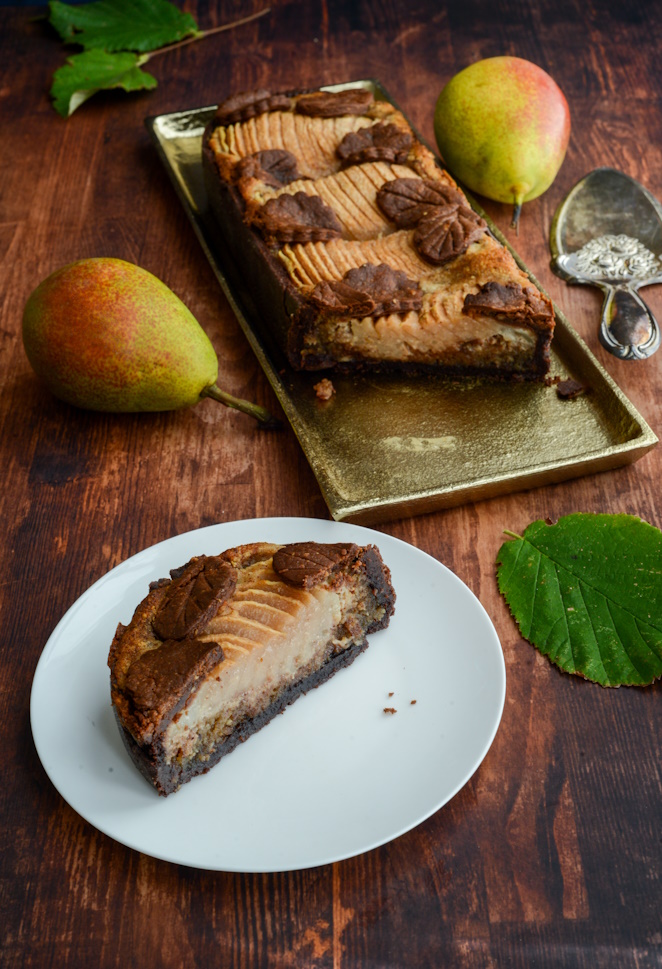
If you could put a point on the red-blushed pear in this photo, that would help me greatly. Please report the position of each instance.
(502, 126)
(106, 335)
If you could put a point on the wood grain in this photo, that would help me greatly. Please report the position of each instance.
(551, 854)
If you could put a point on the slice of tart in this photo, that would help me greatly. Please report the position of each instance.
(215, 652)
(358, 249)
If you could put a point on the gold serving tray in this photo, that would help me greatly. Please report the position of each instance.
(388, 446)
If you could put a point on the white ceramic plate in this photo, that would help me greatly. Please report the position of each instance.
(334, 775)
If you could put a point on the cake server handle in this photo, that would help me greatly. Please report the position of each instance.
(628, 329)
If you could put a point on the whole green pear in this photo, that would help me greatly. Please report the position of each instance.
(502, 126)
(106, 335)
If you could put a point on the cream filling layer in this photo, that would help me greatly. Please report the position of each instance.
(412, 338)
(263, 656)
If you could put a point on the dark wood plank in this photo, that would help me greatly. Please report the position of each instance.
(550, 856)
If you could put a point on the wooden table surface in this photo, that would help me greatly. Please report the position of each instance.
(551, 855)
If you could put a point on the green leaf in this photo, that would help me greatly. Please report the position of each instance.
(96, 70)
(122, 25)
(587, 593)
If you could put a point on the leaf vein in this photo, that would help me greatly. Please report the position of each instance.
(638, 624)
(590, 586)
(564, 614)
(535, 592)
(642, 673)
(595, 637)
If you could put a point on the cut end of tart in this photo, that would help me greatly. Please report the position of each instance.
(213, 654)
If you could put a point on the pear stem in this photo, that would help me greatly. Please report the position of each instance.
(201, 34)
(261, 414)
(516, 214)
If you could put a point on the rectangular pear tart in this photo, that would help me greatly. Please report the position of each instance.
(358, 249)
(215, 652)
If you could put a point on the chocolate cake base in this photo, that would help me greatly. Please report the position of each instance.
(167, 778)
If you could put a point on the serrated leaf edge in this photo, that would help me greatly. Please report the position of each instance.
(81, 95)
(592, 587)
(522, 539)
(76, 35)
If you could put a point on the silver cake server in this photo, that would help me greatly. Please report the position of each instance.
(608, 233)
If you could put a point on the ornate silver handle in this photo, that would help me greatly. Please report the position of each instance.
(628, 329)
(618, 265)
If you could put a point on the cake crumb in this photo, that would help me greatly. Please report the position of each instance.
(324, 389)
(569, 389)
(412, 702)
(391, 694)
(390, 710)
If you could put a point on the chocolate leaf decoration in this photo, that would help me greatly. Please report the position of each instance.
(305, 564)
(273, 166)
(160, 680)
(333, 104)
(587, 593)
(343, 300)
(297, 218)
(248, 104)
(406, 201)
(377, 142)
(447, 234)
(369, 291)
(194, 597)
(511, 302)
